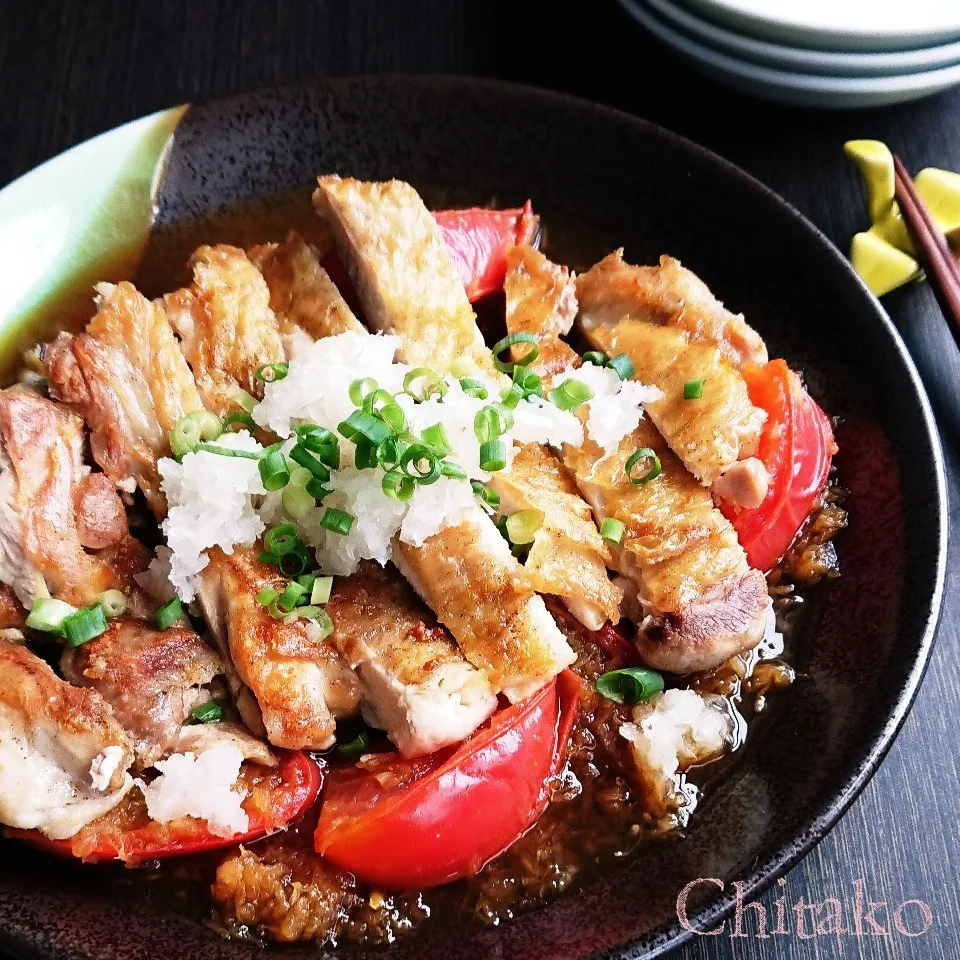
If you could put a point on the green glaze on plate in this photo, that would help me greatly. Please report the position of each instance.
(81, 217)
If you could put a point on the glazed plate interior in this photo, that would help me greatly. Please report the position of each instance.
(600, 179)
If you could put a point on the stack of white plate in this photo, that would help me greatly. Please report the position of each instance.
(824, 53)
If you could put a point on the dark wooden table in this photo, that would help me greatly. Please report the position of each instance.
(71, 70)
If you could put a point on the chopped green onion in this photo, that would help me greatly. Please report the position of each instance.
(292, 593)
(398, 486)
(275, 611)
(448, 468)
(307, 581)
(266, 596)
(292, 564)
(169, 613)
(629, 685)
(393, 416)
(322, 442)
(339, 521)
(316, 489)
(360, 388)
(528, 382)
(281, 539)
(474, 388)
(523, 525)
(420, 464)
(571, 394)
(211, 426)
(623, 366)
(321, 619)
(493, 455)
(48, 614)
(296, 501)
(644, 453)
(239, 419)
(114, 603)
(492, 421)
(274, 472)
(693, 389)
(612, 529)
(309, 461)
(389, 452)
(209, 712)
(365, 455)
(597, 357)
(184, 437)
(436, 439)
(507, 342)
(362, 424)
(463, 367)
(243, 399)
(320, 591)
(487, 496)
(512, 396)
(81, 627)
(432, 384)
(356, 747)
(271, 372)
(265, 556)
(227, 451)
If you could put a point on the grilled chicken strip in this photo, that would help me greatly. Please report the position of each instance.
(46, 494)
(151, 678)
(641, 311)
(226, 326)
(301, 686)
(128, 379)
(63, 755)
(397, 256)
(416, 684)
(695, 598)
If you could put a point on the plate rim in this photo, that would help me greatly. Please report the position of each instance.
(669, 936)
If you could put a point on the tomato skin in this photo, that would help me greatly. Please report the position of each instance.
(449, 814)
(796, 447)
(302, 780)
(478, 240)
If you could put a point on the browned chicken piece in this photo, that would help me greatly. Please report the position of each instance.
(400, 262)
(417, 686)
(12, 614)
(63, 755)
(43, 484)
(403, 273)
(640, 311)
(151, 678)
(197, 738)
(302, 295)
(226, 326)
(541, 299)
(469, 578)
(128, 379)
(667, 295)
(699, 601)
(301, 686)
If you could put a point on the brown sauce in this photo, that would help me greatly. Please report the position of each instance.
(279, 888)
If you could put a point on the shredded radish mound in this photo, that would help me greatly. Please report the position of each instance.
(617, 405)
(200, 786)
(675, 729)
(155, 580)
(209, 497)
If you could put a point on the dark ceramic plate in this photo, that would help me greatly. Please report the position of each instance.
(605, 179)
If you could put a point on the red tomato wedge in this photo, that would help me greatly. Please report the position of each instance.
(796, 447)
(478, 240)
(274, 799)
(411, 824)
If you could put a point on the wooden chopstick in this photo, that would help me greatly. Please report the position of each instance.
(933, 251)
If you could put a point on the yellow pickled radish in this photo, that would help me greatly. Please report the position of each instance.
(880, 264)
(875, 163)
(940, 191)
(893, 229)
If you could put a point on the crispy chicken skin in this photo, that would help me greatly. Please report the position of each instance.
(402, 270)
(641, 311)
(151, 678)
(302, 295)
(667, 295)
(416, 684)
(301, 687)
(226, 326)
(42, 482)
(699, 601)
(63, 755)
(128, 379)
